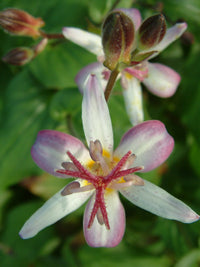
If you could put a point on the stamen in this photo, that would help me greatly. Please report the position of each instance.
(100, 217)
(74, 174)
(96, 151)
(69, 166)
(69, 189)
(130, 161)
(118, 186)
(136, 180)
(72, 188)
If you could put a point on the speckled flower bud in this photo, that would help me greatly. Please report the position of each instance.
(19, 22)
(152, 31)
(19, 56)
(117, 38)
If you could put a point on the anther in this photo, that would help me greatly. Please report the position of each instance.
(96, 150)
(69, 189)
(136, 180)
(69, 166)
(100, 217)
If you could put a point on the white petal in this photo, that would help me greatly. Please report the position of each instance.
(171, 35)
(53, 210)
(87, 40)
(149, 141)
(156, 200)
(95, 114)
(98, 235)
(50, 150)
(162, 80)
(97, 69)
(133, 98)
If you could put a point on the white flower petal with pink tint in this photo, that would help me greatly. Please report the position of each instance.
(149, 141)
(171, 35)
(53, 210)
(98, 235)
(162, 80)
(87, 40)
(134, 14)
(95, 115)
(50, 148)
(133, 98)
(97, 69)
(156, 200)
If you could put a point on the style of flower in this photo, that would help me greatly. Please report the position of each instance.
(158, 78)
(101, 173)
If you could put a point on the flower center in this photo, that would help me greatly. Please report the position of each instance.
(102, 174)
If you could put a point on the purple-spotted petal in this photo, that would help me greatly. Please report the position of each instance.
(149, 141)
(171, 35)
(156, 200)
(97, 69)
(95, 114)
(162, 80)
(53, 210)
(50, 147)
(98, 235)
(133, 98)
(87, 40)
(134, 14)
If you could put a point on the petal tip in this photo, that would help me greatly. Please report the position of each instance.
(193, 217)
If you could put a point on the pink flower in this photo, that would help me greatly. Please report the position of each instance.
(159, 79)
(101, 173)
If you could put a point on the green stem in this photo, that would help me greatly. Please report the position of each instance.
(110, 84)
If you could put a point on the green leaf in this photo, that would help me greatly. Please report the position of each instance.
(57, 66)
(118, 256)
(194, 156)
(98, 9)
(21, 252)
(189, 96)
(64, 102)
(191, 259)
(25, 113)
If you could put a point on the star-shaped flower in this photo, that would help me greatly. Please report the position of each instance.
(101, 173)
(158, 78)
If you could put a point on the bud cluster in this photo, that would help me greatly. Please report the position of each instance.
(123, 46)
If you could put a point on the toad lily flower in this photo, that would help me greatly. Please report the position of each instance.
(100, 173)
(158, 78)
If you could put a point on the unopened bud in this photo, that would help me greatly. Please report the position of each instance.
(40, 46)
(117, 38)
(19, 22)
(152, 31)
(19, 56)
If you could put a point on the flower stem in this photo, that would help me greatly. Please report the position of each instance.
(52, 35)
(110, 84)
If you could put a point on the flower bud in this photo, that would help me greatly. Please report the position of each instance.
(19, 22)
(40, 46)
(19, 56)
(152, 31)
(117, 38)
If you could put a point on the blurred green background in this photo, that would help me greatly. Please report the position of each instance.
(43, 95)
